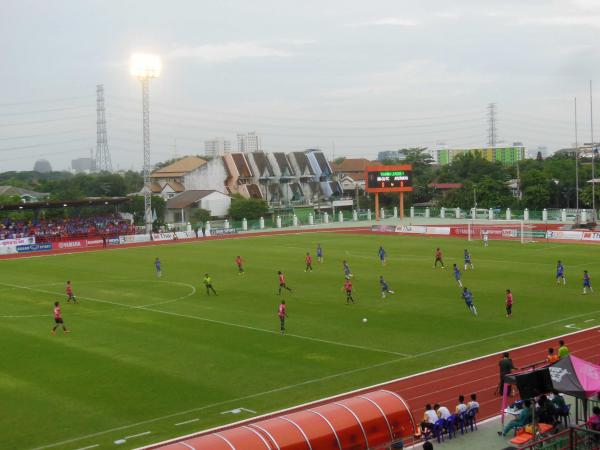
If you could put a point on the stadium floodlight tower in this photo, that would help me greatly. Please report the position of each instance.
(144, 67)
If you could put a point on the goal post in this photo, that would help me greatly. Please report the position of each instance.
(514, 230)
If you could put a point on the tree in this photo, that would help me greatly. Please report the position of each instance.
(249, 208)
(339, 160)
(536, 197)
(136, 207)
(199, 215)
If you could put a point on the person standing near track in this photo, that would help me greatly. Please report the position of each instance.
(58, 320)
(563, 350)
(505, 366)
(282, 316)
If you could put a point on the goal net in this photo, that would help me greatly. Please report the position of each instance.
(516, 230)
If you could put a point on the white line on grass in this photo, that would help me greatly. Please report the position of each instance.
(186, 422)
(297, 336)
(137, 435)
(117, 304)
(220, 322)
(89, 446)
(305, 383)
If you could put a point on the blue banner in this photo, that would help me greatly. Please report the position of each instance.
(28, 248)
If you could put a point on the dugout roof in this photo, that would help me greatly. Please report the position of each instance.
(55, 204)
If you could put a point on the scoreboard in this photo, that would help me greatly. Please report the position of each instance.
(389, 178)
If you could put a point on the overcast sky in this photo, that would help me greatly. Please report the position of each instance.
(351, 77)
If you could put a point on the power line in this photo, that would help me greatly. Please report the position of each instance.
(29, 136)
(22, 147)
(56, 100)
(40, 111)
(213, 112)
(32, 122)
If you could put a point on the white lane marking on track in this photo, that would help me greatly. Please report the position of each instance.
(119, 305)
(220, 322)
(187, 421)
(304, 383)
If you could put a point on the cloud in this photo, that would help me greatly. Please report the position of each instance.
(589, 20)
(231, 51)
(299, 42)
(447, 15)
(388, 21)
(409, 78)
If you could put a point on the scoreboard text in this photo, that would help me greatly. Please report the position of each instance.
(389, 178)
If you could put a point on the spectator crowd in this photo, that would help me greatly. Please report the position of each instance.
(57, 229)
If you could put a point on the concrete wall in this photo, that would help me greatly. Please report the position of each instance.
(211, 176)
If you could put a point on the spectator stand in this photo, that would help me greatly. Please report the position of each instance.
(80, 219)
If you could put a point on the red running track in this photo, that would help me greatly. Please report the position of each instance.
(444, 385)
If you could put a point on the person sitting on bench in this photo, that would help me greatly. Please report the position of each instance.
(523, 419)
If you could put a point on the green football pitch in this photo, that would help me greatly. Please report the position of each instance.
(149, 359)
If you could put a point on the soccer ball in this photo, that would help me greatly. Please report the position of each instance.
(365, 320)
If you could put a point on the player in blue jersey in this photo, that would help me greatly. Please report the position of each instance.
(468, 262)
(347, 272)
(382, 255)
(467, 295)
(457, 275)
(319, 253)
(560, 273)
(157, 267)
(587, 284)
(385, 289)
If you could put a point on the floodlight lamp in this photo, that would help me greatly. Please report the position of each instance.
(145, 65)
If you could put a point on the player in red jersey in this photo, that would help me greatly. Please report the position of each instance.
(348, 288)
(58, 320)
(438, 258)
(282, 315)
(69, 291)
(509, 303)
(282, 284)
(308, 261)
(240, 264)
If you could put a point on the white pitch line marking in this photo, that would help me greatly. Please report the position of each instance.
(325, 378)
(186, 422)
(220, 322)
(238, 410)
(138, 435)
(89, 446)
(572, 326)
(589, 320)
